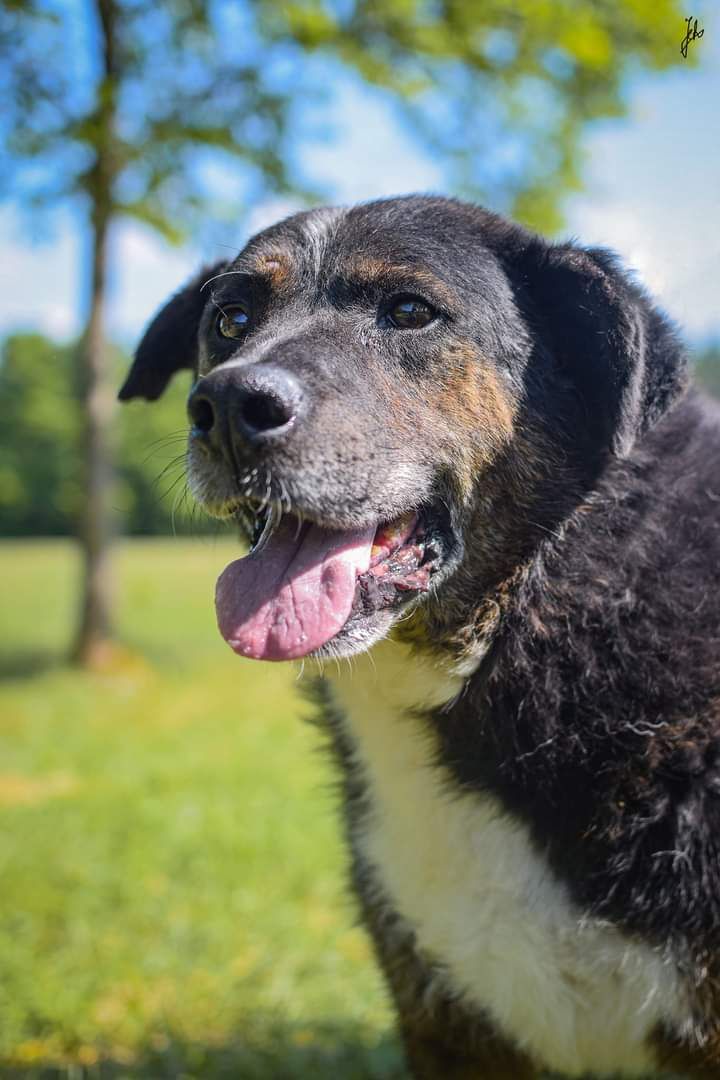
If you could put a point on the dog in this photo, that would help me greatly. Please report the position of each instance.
(473, 462)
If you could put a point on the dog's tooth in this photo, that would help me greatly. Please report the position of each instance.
(272, 520)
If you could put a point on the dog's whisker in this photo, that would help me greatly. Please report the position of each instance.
(181, 433)
(319, 663)
(154, 453)
(215, 277)
(175, 463)
(173, 481)
(172, 487)
(176, 501)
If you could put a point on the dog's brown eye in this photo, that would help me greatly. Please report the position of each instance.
(410, 314)
(233, 322)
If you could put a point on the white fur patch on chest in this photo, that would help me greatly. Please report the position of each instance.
(574, 992)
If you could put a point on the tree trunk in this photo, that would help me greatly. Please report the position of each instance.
(93, 643)
(94, 636)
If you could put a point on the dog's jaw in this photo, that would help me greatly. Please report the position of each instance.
(306, 590)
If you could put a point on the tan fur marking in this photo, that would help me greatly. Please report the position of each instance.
(480, 409)
(276, 267)
(473, 395)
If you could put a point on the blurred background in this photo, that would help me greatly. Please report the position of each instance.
(171, 878)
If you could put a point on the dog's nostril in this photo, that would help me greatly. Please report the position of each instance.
(202, 415)
(264, 412)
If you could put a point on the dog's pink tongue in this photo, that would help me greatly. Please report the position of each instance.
(294, 594)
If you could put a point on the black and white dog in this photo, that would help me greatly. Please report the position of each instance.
(472, 460)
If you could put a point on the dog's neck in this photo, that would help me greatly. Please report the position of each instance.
(388, 676)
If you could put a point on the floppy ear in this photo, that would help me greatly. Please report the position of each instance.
(170, 341)
(620, 353)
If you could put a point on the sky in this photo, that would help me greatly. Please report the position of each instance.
(652, 193)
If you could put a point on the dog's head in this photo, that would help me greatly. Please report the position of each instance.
(396, 401)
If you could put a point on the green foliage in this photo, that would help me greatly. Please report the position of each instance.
(40, 464)
(502, 91)
(152, 495)
(707, 368)
(157, 82)
(173, 898)
(39, 486)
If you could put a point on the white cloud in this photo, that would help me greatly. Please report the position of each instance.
(147, 271)
(268, 212)
(674, 256)
(38, 284)
(654, 190)
(370, 155)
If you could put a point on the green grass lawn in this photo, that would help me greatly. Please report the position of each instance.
(172, 901)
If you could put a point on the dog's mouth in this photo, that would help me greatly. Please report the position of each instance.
(303, 584)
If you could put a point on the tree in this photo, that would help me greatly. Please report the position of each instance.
(118, 140)
(39, 475)
(40, 465)
(121, 116)
(707, 367)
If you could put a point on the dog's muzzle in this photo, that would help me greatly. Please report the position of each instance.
(235, 410)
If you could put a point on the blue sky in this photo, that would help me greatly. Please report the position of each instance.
(652, 193)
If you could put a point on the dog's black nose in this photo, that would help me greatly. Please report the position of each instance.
(248, 407)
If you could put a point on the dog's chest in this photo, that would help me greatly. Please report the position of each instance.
(482, 902)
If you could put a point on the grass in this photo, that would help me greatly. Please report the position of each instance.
(172, 898)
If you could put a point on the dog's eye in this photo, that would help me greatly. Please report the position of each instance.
(233, 322)
(409, 314)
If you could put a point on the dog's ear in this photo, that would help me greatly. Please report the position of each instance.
(620, 353)
(170, 341)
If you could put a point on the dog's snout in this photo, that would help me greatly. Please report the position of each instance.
(269, 400)
(202, 413)
(255, 406)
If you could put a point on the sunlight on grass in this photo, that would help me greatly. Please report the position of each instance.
(172, 897)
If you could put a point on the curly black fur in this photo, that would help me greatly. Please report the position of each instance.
(596, 713)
